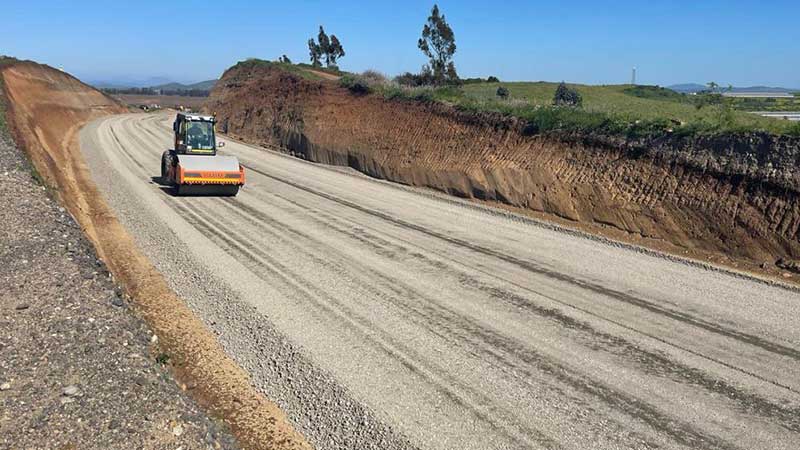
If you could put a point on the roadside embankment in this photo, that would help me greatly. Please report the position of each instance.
(77, 368)
(730, 199)
(46, 108)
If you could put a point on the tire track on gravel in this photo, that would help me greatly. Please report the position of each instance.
(262, 264)
(535, 268)
(652, 363)
(465, 330)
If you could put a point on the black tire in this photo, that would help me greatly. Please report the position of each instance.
(164, 167)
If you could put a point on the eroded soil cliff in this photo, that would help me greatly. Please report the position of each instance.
(731, 195)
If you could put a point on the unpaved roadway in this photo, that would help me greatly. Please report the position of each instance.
(381, 316)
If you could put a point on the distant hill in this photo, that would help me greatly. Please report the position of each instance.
(202, 85)
(687, 88)
(200, 89)
(164, 84)
(765, 89)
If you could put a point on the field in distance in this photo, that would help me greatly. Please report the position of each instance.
(164, 101)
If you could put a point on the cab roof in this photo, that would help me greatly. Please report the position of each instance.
(196, 117)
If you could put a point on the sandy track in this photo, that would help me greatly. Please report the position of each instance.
(370, 312)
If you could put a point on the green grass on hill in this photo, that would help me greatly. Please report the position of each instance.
(621, 110)
(304, 70)
(615, 108)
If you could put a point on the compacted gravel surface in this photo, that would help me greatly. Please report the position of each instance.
(78, 369)
(380, 316)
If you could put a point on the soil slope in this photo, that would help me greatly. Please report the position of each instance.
(46, 109)
(730, 195)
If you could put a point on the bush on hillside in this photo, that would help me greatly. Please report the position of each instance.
(424, 78)
(374, 78)
(420, 93)
(478, 80)
(707, 99)
(566, 96)
(502, 92)
(655, 93)
(355, 84)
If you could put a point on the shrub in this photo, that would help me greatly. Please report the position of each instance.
(355, 84)
(701, 100)
(419, 93)
(424, 78)
(502, 92)
(727, 118)
(567, 97)
(374, 78)
(422, 95)
(655, 93)
(476, 80)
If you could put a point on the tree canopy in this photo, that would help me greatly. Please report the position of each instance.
(328, 47)
(438, 43)
(315, 53)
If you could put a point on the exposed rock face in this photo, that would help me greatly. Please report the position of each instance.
(735, 194)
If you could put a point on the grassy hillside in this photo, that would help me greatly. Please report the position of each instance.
(622, 103)
(627, 110)
(306, 71)
(615, 110)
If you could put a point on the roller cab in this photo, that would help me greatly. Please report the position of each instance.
(193, 165)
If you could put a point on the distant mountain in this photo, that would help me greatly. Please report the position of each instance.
(202, 86)
(688, 88)
(768, 89)
(162, 83)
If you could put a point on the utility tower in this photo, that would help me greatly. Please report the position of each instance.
(633, 76)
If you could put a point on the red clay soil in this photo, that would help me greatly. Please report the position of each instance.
(47, 107)
(731, 200)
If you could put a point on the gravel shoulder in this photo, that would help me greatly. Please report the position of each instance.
(78, 368)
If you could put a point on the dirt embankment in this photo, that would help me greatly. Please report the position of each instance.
(47, 107)
(733, 196)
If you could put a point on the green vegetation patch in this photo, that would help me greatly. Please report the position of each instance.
(306, 71)
(252, 63)
(619, 109)
(656, 93)
(767, 104)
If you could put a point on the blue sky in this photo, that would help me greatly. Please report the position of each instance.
(736, 42)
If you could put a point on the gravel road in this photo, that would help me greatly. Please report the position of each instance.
(379, 316)
(78, 369)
